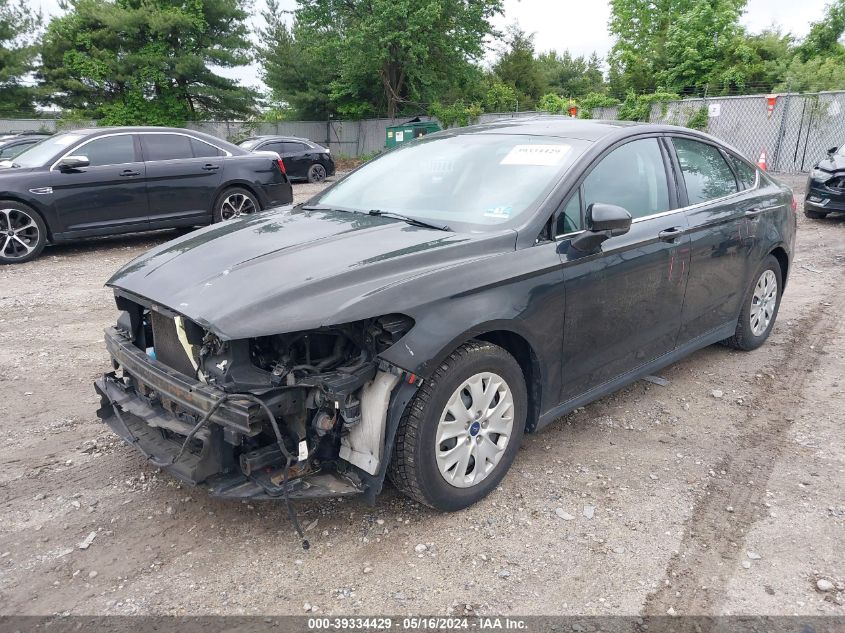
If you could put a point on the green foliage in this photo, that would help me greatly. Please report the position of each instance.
(18, 51)
(638, 107)
(823, 38)
(375, 57)
(147, 61)
(571, 76)
(593, 100)
(553, 103)
(699, 119)
(500, 97)
(458, 114)
(518, 67)
(821, 73)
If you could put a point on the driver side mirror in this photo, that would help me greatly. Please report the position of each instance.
(832, 151)
(74, 162)
(603, 222)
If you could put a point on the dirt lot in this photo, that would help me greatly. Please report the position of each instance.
(721, 493)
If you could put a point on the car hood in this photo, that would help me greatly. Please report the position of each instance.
(834, 163)
(279, 271)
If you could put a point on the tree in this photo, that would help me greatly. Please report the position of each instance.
(823, 38)
(147, 61)
(572, 76)
(686, 45)
(18, 25)
(518, 67)
(386, 56)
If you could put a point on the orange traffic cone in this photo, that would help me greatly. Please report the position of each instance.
(761, 162)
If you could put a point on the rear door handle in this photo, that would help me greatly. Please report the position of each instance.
(752, 213)
(129, 172)
(671, 234)
(211, 167)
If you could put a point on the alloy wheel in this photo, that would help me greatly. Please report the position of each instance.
(19, 234)
(474, 430)
(236, 205)
(317, 173)
(763, 302)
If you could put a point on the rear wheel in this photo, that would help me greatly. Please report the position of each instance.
(234, 203)
(316, 173)
(815, 215)
(460, 433)
(760, 308)
(23, 234)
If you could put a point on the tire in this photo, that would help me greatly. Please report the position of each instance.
(316, 173)
(235, 202)
(752, 329)
(23, 233)
(414, 467)
(815, 215)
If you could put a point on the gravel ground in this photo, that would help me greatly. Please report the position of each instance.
(720, 493)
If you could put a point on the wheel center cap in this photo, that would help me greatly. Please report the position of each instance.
(10, 233)
(475, 428)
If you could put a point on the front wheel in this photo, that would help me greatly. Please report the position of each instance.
(233, 203)
(23, 234)
(460, 433)
(760, 307)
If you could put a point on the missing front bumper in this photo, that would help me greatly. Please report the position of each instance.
(210, 460)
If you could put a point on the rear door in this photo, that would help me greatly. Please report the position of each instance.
(624, 302)
(297, 157)
(107, 196)
(723, 223)
(183, 174)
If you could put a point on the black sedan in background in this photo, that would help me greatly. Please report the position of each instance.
(13, 144)
(304, 159)
(414, 319)
(106, 181)
(826, 186)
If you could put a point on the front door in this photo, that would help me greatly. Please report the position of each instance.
(107, 196)
(623, 303)
(183, 174)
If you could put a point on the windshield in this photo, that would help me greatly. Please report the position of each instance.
(481, 180)
(39, 154)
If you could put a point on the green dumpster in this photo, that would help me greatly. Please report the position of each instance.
(404, 132)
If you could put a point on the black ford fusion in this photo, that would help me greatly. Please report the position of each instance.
(826, 185)
(107, 181)
(416, 318)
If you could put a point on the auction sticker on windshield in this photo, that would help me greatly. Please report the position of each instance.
(539, 155)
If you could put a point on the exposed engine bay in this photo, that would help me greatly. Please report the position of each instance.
(296, 415)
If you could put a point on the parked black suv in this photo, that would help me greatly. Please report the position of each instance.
(123, 180)
(826, 185)
(304, 159)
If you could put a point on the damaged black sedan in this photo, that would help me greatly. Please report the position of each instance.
(421, 314)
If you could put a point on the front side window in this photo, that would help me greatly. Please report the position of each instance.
(166, 147)
(706, 174)
(632, 177)
(108, 150)
(479, 180)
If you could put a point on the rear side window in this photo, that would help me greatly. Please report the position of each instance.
(706, 174)
(166, 146)
(746, 174)
(279, 148)
(109, 150)
(293, 148)
(204, 150)
(633, 177)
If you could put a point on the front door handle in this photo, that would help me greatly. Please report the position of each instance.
(671, 234)
(210, 167)
(129, 172)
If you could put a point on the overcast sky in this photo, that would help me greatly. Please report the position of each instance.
(579, 27)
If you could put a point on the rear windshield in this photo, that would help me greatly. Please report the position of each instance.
(481, 181)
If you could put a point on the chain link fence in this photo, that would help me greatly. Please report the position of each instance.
(792, 131)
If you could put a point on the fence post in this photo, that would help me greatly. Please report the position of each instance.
(781, 132)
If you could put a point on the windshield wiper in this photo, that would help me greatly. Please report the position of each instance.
(408, 219)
